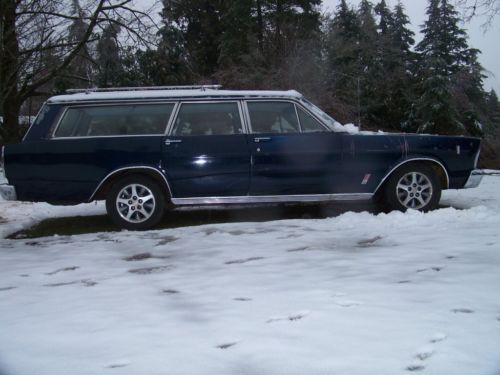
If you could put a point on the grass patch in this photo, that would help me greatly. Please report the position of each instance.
(66, 226)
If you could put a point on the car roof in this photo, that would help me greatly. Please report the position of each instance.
(92, 96)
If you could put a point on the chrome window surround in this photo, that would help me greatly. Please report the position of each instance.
(130, 168)
(294, 102)
(409, 161)
(63, 113)
(175, 113)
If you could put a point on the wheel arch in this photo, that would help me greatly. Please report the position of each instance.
(436, 165)
(107, 182)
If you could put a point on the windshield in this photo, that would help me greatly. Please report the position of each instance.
(327, 120)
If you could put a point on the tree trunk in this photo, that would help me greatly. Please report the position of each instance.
(10, 104)
(11, 131)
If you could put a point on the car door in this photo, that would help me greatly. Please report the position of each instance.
(292, 152)
(206, 153)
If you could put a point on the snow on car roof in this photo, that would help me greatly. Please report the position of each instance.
(161, 94)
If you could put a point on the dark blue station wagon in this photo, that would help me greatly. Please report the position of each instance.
(144, 151)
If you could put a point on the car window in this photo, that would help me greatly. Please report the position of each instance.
(208, 119)
(309, 124)
(273, 117)
(114, 120)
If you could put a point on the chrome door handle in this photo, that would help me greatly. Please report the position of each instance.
(262, 139)
(168, 142)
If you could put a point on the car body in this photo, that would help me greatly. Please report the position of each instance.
(200, 146)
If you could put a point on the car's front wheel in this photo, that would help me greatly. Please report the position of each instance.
(135, 203)
(413, 186)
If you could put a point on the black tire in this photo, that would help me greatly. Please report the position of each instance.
(126, 208)
(413, 186)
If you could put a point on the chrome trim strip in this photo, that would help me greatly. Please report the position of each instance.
(409, 161)
(271, 199)
(474, 179)
(8, 192)
(125, 168)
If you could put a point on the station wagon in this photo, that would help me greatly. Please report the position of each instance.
(147, 150)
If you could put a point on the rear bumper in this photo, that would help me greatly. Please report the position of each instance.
(8, 192)
(474, 179)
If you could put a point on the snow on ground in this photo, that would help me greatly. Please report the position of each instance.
(353, 294)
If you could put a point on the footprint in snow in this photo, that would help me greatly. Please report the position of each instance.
(242, 299)
(65, 269)
(118, 364)
(83, 282)
(292, 318)
(435, 269)
(415, 367)
(137, 257)
(462, 311)
(347, 303)
(165, 240)
(425, 353)
(150, 270)
(227, 345)
(369, 242)
(295, 250)
(241, 261)
(438, 337)
(170, 291)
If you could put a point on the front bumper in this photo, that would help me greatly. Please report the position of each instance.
(474, 179)
(8, 192)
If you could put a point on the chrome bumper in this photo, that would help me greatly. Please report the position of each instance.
(474, 179)
(8, 192)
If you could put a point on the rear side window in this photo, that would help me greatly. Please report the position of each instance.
(114, 120)
(273, 117)
(208, 119)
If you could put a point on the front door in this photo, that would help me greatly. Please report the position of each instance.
(292, 153)
(206, 153)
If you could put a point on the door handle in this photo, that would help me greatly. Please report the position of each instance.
(168, 142)
(262, 139)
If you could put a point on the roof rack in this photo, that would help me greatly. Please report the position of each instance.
(147, 88)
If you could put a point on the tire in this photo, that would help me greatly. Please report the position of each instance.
(136, 203)
(413, 186)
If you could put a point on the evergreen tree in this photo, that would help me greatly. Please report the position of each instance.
(200, 25)
(397, 60)
(109, 63)
(385, 17)
(80, 72)
(444, 54)
(342, 55)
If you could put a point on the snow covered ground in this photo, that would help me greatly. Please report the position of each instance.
(353, 294)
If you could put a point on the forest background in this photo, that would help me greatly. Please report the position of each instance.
(360, 64)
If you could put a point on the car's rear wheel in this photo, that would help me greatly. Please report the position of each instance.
(414, 186)
(136, 203)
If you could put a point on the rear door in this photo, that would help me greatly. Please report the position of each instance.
(292, 152)
(206, 153)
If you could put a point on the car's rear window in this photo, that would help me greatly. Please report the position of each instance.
(114, 120)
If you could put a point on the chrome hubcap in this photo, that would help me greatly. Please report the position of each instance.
(135, 203)
(414, 190)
